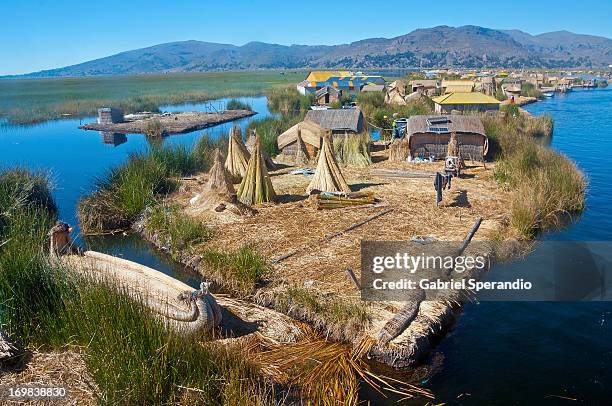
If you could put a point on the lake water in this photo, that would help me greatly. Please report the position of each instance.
(75, 158)
(498, 352)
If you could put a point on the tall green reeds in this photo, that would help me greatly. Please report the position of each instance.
(547, 187)
(128, 351)
(124, 192)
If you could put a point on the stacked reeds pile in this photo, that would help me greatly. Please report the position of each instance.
(301, 154)
(256, 186)
(219, 187)
(332, 201)
(250, 144)
(399, 150)
(237, 154)
(327, 177)
(453, 146)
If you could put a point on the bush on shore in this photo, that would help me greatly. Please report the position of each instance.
(236, 104)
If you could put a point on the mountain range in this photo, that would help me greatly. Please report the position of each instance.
(462, 47)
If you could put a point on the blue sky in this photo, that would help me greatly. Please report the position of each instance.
(43, 34)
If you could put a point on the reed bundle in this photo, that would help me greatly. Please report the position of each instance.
(256, 186)
(301, 154)
(219, 187)
(329, 201)
(250, 145)
(328, 177)
(328, 373)
(399, 150)
(237, 154)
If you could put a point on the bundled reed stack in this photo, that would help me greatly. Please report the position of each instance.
(327, 177)
(399, 150)
(218, 189)
(251, 145)
(301, 154)
(453, 145)
(256, 186)
(237, 154)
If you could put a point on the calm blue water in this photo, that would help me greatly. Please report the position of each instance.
(523, 352)
(75, 158)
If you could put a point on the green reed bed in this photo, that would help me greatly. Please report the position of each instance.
(129, 353)
(126, 191)
(33, 100)
(547, 187)
(240, 271)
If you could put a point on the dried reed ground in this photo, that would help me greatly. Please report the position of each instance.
(51, 369)
(291, 224)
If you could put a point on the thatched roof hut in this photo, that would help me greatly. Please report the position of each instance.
(256, 186)
(338, 121)
(328, 177)
(430, 135)
(237, 154)
(309, 132)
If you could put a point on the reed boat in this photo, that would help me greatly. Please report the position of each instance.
(183, 308)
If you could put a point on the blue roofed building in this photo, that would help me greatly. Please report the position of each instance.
(346, 81)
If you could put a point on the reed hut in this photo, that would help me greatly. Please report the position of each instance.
(328, 177)
(309, 132)
(328, 95)
(256, 186)
(430, 135)
(110, 115)
(237, 154)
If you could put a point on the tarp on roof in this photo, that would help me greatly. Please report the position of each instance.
(465, 98)
(337, 119)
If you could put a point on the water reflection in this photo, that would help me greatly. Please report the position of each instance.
(111, 138)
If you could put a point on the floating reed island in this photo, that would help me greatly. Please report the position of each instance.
(286, 235)
(168, 123)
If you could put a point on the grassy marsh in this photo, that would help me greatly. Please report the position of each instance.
(33, 100)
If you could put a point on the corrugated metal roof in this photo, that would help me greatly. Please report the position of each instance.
(456, 123)
(465, 98)
(337, 119)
